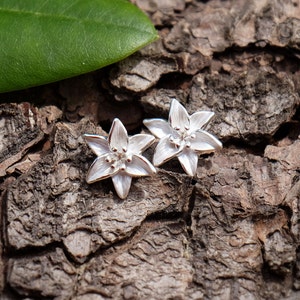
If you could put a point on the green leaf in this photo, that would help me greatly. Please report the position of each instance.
(43, 41)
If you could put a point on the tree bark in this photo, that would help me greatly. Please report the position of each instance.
(231, 232)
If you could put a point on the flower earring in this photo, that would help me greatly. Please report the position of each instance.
(183, 137)
(119, 157)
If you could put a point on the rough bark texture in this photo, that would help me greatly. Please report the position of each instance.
(231, 232)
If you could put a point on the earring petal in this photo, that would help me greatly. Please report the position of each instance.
(200, 119)
(139, 142)
(178, 116)
(140, 166)
(99, 170)
(164, 151)
(205, 141)
(122, 183)
(189, 161)
(158, 127)
(118, 137)
(97, 143)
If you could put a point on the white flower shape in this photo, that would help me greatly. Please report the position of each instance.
(182, 137)
(119, 157)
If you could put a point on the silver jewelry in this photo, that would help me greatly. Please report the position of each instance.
(119, 157)
(182, 136)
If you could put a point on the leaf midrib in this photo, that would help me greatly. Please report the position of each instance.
(70, 18)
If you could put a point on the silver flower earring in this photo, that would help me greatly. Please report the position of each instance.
(119, 157)
(182, 137)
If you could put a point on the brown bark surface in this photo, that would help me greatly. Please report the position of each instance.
(232, 232)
